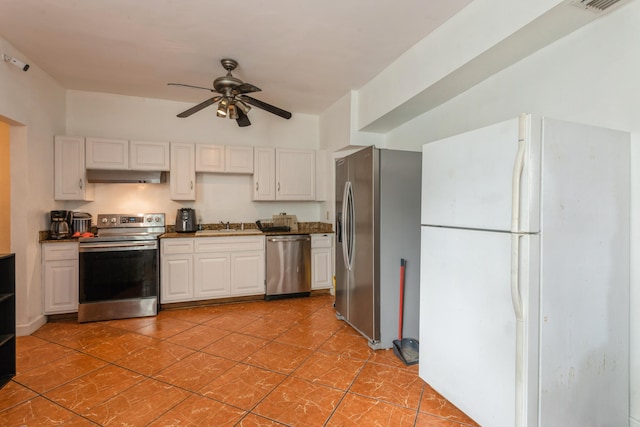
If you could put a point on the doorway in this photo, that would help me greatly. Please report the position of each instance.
(5, 189)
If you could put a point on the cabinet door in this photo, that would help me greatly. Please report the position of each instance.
(264, 174)
(70, 177)
(238, 159)
(321, 271)
(211, 276)
(209, 158)
(182, 178)
(295, 174)
(104, 153)
(247, 273)
(176, 281)
(321, 261)
(149, 156)
(60, 286)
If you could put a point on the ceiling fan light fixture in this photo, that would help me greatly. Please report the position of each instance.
(244, 107)
(222, 108)
(233, 113)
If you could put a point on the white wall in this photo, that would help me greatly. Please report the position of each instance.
(34, 106)
(219, 197)
(590, 76)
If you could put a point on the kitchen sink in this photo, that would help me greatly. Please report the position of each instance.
(227, 232)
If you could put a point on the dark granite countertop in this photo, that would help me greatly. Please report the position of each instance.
(251, 230)
(303, 228)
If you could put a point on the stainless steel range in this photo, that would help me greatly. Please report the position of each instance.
(119, 273)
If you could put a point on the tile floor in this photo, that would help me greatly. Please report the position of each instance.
(287, 362)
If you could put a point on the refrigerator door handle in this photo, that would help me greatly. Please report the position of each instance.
(518, 308)
(516, 177)
(347, 225)
(351, 236)
(516, 296)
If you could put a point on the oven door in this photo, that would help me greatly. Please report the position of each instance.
(118, 280)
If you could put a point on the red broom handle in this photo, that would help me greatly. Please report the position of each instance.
(402, 266)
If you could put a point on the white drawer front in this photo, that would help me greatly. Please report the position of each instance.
(321, 240)
(60, 251)
(229, 244)
(177, 246)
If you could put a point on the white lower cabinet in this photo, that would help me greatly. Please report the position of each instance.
(247, 272)
(321, 261)
(176, 278)
(212, 275)
(202, 268)
(60, 277)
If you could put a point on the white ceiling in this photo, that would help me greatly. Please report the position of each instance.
(303, 54)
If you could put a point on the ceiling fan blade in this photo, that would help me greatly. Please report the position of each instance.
(195, 87)
(247, 88)
(243, 119)
(199, 107)
(267, 107)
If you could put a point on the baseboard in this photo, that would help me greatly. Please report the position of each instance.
(31, 327)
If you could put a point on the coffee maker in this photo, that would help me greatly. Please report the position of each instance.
(60, 224)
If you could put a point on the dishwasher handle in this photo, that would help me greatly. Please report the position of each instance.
(294, 238)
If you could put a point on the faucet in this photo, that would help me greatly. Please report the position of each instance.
(226, 226)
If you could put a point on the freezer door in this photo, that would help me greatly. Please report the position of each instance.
(364, 310)
(468, 179)
(343, 273)
(467, 322)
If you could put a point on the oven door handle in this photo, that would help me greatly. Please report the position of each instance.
(102, 247)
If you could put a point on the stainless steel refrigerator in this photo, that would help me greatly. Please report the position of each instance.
(377, 225)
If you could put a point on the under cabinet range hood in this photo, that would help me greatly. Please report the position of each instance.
(126, 176)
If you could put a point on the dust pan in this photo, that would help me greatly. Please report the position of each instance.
(405, 348)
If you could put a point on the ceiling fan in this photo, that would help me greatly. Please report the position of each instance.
(233, 101)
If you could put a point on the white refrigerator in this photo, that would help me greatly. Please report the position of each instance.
(524, 286)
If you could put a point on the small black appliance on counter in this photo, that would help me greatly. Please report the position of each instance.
(186, 220)
(60, 227)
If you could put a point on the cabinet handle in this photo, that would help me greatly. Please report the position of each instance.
(278, 187)
(257, 186)
(80, 183)
(191, 185)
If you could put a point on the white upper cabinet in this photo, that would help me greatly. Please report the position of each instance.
(121, 154)
(264, 175)
(149, 156)
(70, 175)
(295, 174)
(209, 158)
(182, 178)
(238, 159)
(284, 174)
(105, 153)
(225, 159)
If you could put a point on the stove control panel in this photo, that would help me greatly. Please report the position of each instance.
(130, 220)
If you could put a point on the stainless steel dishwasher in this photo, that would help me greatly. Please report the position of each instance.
(288, 266)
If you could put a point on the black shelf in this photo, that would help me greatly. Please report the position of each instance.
(7, 318)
